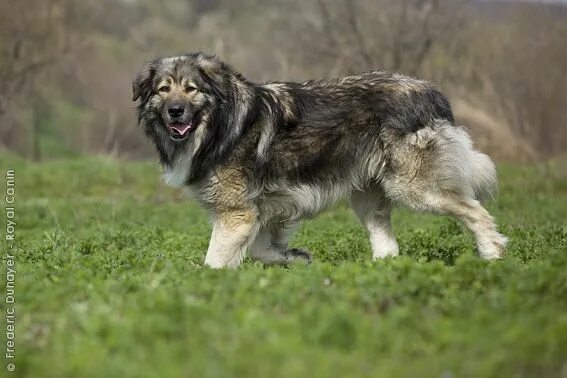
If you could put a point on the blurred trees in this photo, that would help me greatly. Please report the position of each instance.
(390, 34)
(525, 73)
(66, 66)
(34, 37)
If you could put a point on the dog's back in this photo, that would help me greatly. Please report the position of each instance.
(344, 129)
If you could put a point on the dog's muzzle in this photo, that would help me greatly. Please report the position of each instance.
(179, 131)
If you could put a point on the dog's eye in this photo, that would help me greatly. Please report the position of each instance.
(190, 89)
(163, 88)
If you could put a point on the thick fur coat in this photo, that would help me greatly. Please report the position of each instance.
(261, 157)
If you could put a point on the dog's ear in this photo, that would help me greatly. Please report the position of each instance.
(142, 83)
(213, 70)
(211, 66)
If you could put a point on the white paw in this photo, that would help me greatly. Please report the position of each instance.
(493, 248)
(386, 249)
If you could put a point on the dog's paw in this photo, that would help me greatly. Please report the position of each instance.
(294, 254)
(494, 248)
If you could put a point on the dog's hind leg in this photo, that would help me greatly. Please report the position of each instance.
(476, 218)
(436, 170)
(271, 246)
(374, 212)
(467, 210)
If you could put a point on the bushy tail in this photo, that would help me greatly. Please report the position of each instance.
(459, 166)
(483, 177)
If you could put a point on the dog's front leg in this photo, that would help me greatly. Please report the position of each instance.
(233, 231)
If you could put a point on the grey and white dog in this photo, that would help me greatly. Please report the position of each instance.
(261, 157)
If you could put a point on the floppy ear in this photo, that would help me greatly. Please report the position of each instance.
(142, 83)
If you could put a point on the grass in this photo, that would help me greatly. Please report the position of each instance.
(110, 283)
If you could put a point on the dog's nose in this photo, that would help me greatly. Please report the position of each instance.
(176, 111)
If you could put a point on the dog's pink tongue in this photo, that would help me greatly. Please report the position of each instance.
(181, 129)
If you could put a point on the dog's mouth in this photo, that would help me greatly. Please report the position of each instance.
(180, 131)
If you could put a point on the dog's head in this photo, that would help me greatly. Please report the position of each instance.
(178, 94)
(193, 106)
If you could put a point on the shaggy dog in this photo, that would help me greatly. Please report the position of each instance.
(261, 157)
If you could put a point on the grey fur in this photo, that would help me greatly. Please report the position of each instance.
(262, 157)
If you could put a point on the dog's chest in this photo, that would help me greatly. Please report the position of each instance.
(177, 175)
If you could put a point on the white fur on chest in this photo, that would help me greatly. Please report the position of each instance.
(177, 175)
(180, 170)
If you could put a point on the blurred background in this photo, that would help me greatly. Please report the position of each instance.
(66, 65)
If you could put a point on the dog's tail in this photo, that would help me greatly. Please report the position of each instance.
(477, 169)
(483, 178)
(459, 165)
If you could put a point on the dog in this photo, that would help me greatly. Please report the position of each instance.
(261, 157)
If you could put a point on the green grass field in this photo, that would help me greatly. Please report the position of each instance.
(110, 283)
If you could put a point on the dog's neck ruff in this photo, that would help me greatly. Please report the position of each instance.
(179, 170)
